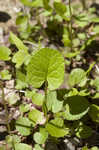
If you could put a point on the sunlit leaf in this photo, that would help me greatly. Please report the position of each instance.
(40, 137)
(5, 75)
(56, 131)
(35, 3)
(4, 53)
(38, 147)
(37, 98)
(22, 146)
(44, 67)
(36, 116)
(20, 80)
(22, 56)
(77, 76)
(24, 126)
(53, 103)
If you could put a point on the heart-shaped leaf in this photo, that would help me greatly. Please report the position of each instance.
(46, 65)
(76, 107)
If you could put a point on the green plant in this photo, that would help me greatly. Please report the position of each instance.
(52, 112)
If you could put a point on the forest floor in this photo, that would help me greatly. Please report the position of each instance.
(8, 13)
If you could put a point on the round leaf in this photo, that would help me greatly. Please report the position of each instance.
(77, 76)
(22, 146)
(36, 116)
(4, 53)
(40, 138)
(76, 107)
(46, 65)
(23, 125)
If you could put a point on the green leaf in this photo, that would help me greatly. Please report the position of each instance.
(37, 147)
(96, 20)
(76, 107)
(40, 137)
(12, 140)
(96, 96)
(46, 5)
(19, 44)
(24, 108)
(22, 55)
(53, 103)
(36, 116)
(96, 29)
(95, 83)
(90, 68)
(60, 8)
(12, 98)
(35, 3)
(37, 98)
(81, 36)
(77, 76)
(46, 65)
(94, 113)
(76, 43)
(5, 75)
(56, 131)
(84, 92)
(4, 53)
(85, 148)
(94, 148)
(71, 54)
(66, 38)
(58, 121)
(24, 126)
(22, 146)
(72, 92)
(83, 131)
(20, 80)
(21, 20)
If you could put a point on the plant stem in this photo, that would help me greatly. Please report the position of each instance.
(45, 99)
(5, 107)
(71, 36)
(46, 90)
